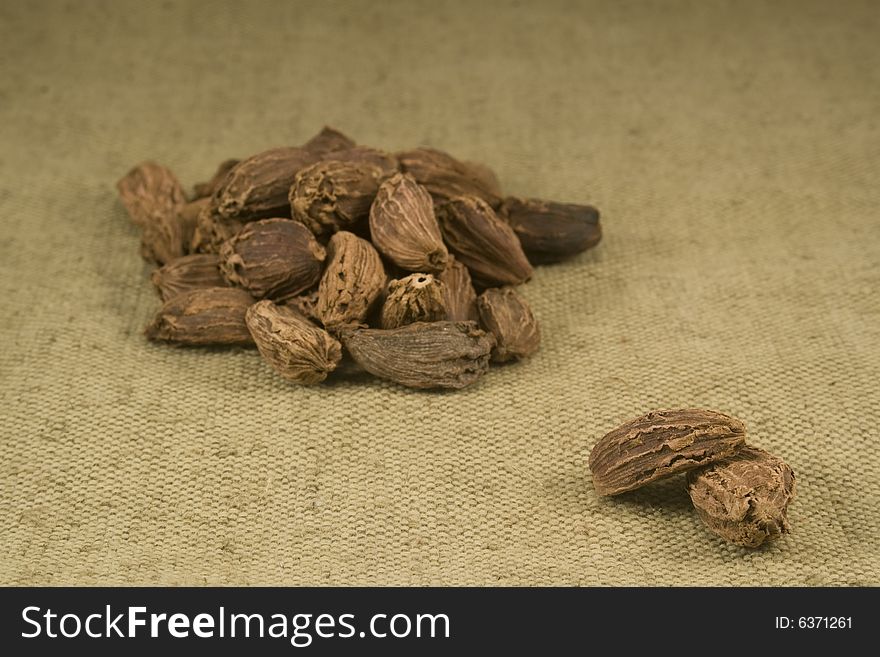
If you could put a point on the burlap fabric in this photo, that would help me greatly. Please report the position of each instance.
(733, 149)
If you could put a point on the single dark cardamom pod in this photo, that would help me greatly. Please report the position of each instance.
(404, 228)
(447, 178)
(483, 242)
(328, 141)
(385, 162)
(206, 189)
(744, 498)
(189, 272)
(272, 258)
(153, 197)
(458, 292)
(550, 232)
(423, 355)
(150, 192)
(207, 316)
(258, 187)
(161, 244)
(416, 298)
(331, 195)
(295, 348)
(660, 444)
(352, 281)
(486, 178)
(508, 317)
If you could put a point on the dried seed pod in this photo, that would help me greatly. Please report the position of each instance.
(744, 498)
(201, 242)
(257, 187)
(423, 355)
(272, 258)
(508, 317)
(404, 228)
(295, 348)
(212, 231)
(352, 281)
(328, 141)
(486, 178)
(161, 244)
(385, 162)
(416, 298)
(550, 232)
(207, 316)
(481, 241)
(458, 292)
(447, 178)
(331, 195)
(206, 189)
(660, 444)
(153, 197)
(305, 304)
(186, 273)
(150, 192)
(188, 216)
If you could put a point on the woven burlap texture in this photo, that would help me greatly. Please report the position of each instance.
(733, 149)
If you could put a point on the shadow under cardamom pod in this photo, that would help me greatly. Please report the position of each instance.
(671, 494)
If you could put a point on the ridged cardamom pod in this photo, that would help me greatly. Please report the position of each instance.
(294, 347)
(385, 162)
(153, 197)
(446, 177)
(416, 298)
(458, 292)
(333, 195)
(272, 258)
(660, 444)
(206, 189)
(403, 226)
(189, 272)
(328, 141)
(744, 498)
(206, 316)
(550, 232)
(483, 242)
(258, 186)
(487, 179)
(423, 355)
(150, 192)
(352, 281)
(509, 318)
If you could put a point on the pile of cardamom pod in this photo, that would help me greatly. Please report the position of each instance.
(330, 253)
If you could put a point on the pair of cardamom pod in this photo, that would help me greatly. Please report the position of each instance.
(741, 493)
(301, 250)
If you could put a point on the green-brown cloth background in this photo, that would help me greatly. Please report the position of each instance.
(733, 148)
